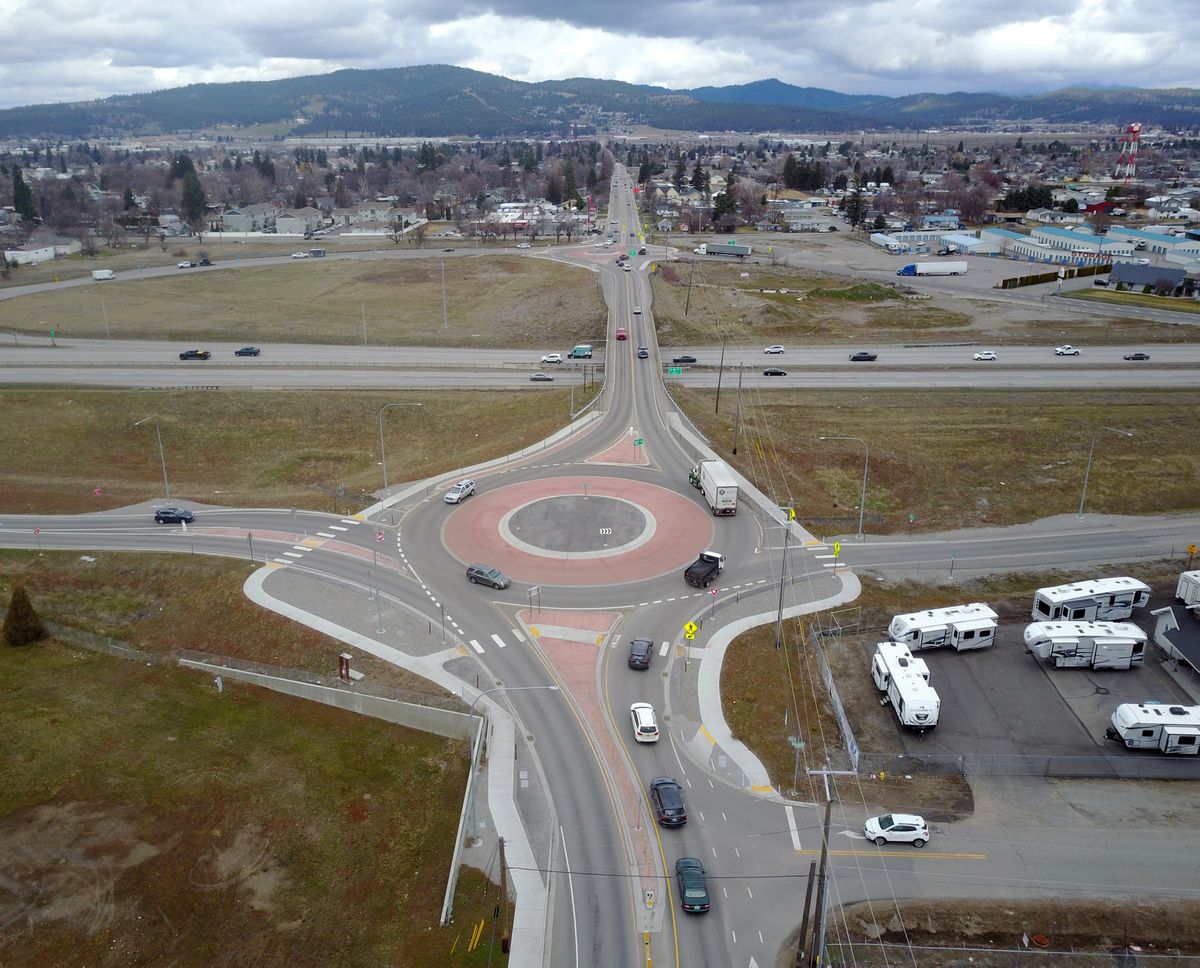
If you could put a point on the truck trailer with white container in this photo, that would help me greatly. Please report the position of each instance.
(932, 269)
(719, 486)
(734, 249)
(1098, 600)
(1092, 645)
(1166, 727)
(905, 681)
(961, 626)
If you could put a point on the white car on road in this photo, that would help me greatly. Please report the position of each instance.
(552, 358)
(774, 349)
(984, 355)
(300, 255)
(645, 725)
(523, 245)
(903, 828)
(461, 490)
(1066, 350)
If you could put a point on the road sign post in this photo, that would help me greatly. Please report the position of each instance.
(37, 533)
(713, 593)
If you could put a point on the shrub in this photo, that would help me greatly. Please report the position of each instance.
(22, 626)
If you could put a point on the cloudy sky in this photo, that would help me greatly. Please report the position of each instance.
(80, 49)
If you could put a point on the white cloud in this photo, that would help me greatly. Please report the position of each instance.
(101, 47)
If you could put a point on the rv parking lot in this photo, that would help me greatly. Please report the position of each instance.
(1005, 711)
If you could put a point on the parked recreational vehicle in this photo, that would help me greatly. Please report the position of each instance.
(1159, 726)
(1188, 591)
(1099, 600)
(961, 626)
(1094, 645)
(905, 680)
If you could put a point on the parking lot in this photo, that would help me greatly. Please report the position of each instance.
(1004, 711)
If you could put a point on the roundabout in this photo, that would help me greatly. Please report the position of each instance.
(579, 531)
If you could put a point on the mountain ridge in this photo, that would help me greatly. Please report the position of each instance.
(441, 100)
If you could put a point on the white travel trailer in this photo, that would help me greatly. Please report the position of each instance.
(1159, 726)
(905, 680)
(1188, 590)
(961, 626)
(1093, 645)
(1099, 600)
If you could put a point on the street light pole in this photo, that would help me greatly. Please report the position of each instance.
(445, 321)
(862, 501)
(382, 453)
(1088, 470)
(161, 454)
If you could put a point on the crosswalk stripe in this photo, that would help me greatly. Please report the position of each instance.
(292, 554)
(350, 521)
(301, 547)
(282, 561)
(476, 646)
(663, 650)
(791, 819)
(517, 633)
(499, 641)
(324, 534)
(335, 527)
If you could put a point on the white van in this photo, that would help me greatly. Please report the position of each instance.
(103, 275)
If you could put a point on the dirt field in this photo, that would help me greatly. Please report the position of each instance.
(496, 302)
(913, 931)
(956, 458)
(245, 448)
(146, 819)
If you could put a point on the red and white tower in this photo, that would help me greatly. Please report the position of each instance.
(1127, 160)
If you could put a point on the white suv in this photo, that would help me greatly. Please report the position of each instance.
(903, 828)
(461, 490)
(552, 358)
(645, 725)
(1066, 350)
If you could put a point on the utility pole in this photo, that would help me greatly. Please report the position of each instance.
(818, 947)
(688, 301)
(720, 373)
(787, 530)
(802, 947)
(737, 417)
(445, 323)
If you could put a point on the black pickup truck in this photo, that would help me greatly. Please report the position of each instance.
(704, 569)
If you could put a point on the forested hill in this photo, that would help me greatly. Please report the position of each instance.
(446, 101)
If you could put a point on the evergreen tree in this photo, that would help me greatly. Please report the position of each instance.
(855, 206)
(299, 201)
(192, 201)
(700, 179)
(679, 178)
(725, 203)
(22, 626)
(22, 195)
(129, 199)
(570, 189)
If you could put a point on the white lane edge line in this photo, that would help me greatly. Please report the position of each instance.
(791, 819)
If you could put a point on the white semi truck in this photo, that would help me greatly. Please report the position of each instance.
(734, 249)
(932, 269)
(1091, 645)
(961, 626)
(905, 681)
(716, 481)
(1156, 726)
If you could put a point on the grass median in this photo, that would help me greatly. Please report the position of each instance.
(316, 450)
(501, 301)
(957, 458)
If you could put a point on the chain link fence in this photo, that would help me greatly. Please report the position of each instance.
(879, 955)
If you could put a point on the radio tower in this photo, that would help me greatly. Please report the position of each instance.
(1127, 160)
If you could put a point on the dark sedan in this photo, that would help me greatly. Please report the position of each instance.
(247, 351)
(774, 371)
(693, 886)
(683, 359)
(173, 516)
(1137, 356)
(863, 357)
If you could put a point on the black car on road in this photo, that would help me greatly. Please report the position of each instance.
(195, 355)
(693, 886)
(640, 651)
(247, 351)
(667, 796)
(862, 356)
(683, 359)
(774, 371)
(1137, 356)
(173, 516)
